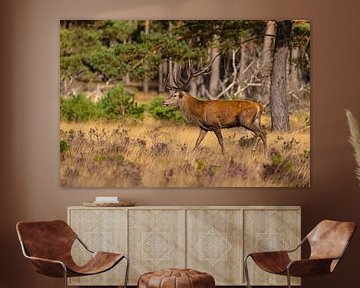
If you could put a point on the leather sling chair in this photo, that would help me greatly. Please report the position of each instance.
(48, 245)
(328, 242)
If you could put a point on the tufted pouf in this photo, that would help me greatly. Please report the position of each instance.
(176, 278)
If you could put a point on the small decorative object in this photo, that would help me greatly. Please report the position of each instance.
(108, 201)
(354, 139)
(120, 204)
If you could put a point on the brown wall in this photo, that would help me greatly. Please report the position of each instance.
(29, 111)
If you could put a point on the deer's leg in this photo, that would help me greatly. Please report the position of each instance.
(200, 138)
(220, 139)
(257, 123)
(259, 134)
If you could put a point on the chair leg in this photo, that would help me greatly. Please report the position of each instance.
(65, 275)
(246, 270)
(288, 278)
(127, 271)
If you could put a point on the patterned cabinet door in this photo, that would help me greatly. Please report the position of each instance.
(214, 244)
(269, 230)
(156, 240)
(101, 230)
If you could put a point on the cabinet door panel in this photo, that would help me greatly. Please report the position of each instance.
(270, 230)
(214, 244)
(100, 230)
(156, 239)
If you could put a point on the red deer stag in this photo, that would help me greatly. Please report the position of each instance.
(214, 115)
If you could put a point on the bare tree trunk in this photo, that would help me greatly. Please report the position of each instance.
(171, 68)
(268, 47)
(243, 63)
(161, 87)
(126, 78)
(146, 80)
(295, 84)
(267, 61)
(215, 72)
(278, 99)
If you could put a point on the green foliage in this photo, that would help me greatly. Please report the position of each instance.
(113, 32)
(114, 50)
(64, 147)
(307, 121)
(87, 49)
(284, 166)
(117, 103)
(280, 167)
(102, 50)
(280, 162)
(228, 33)
(159, 111)
(306, 154)
(104, 63)
(78, 108)
(300, 33)
(120, 159)
(75, 45)
(100, 158)
(300, 38)
(110, 49)
(200, 165)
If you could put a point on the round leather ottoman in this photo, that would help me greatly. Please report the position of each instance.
(176, 278)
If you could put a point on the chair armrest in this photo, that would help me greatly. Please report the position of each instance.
(49, 267)
(46, 260)
(309, 267)
(269, 253)
(84, 245)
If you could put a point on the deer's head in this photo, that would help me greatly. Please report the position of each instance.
(175, 99)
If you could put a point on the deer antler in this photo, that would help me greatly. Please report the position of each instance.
(167, 84)
(181, 82)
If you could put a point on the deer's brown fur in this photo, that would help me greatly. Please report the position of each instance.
(214, 115)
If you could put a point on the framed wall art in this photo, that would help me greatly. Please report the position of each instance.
(185, 103)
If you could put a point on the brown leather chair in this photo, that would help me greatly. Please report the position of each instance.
(48, 245)
(328, 242)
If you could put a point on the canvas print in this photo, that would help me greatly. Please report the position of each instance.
(185, 103)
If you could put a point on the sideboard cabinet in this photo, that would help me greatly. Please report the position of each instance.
(212, 239)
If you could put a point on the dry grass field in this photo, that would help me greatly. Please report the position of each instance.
(153, 153)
